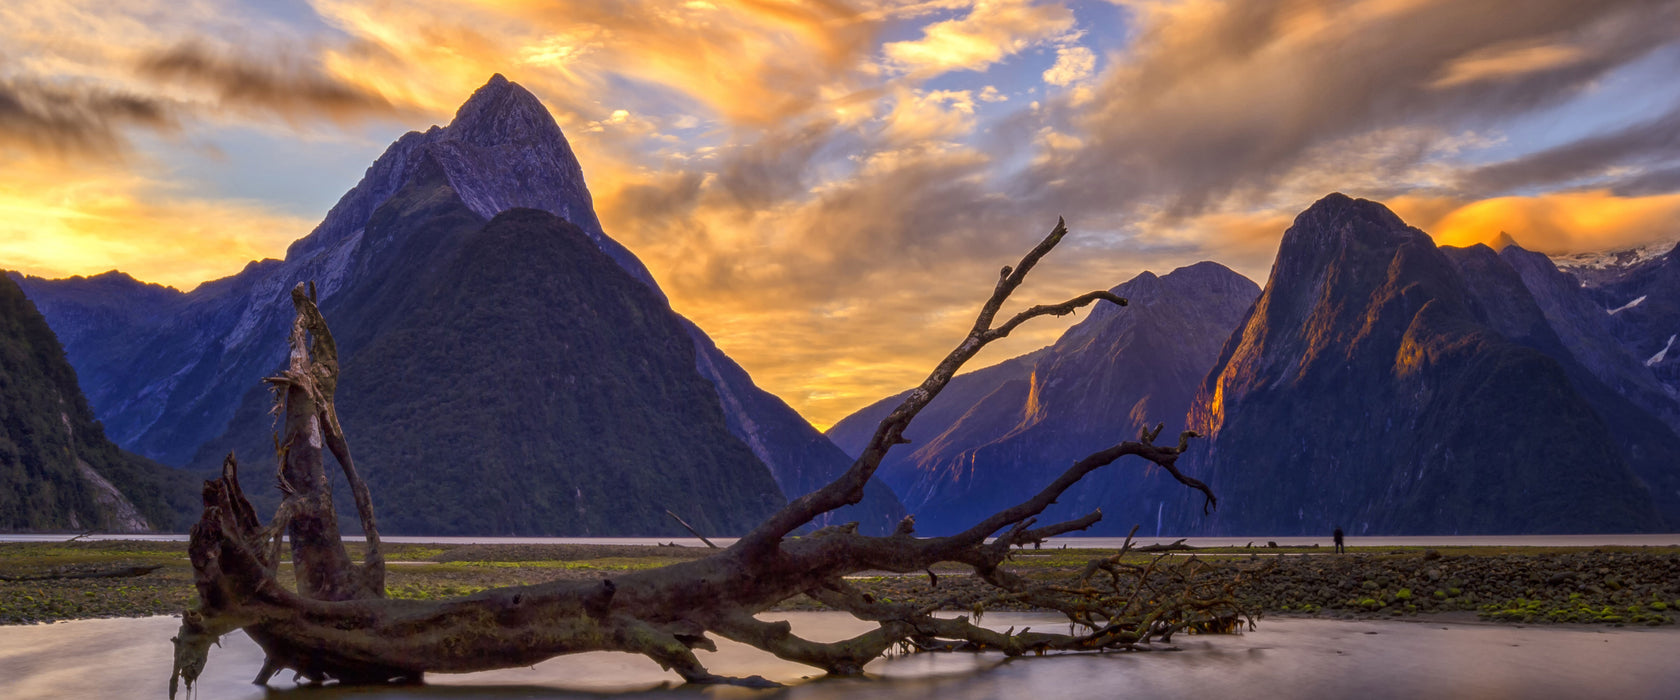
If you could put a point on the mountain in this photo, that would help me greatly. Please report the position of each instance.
(1644, 305)
(1008, 430)
(1385, 385)
(1589, 332)
(1595, 268)
(58, 470)
(961, 394)
(184, 377)
(521, 383)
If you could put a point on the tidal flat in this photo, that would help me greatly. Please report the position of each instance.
(1609, 585)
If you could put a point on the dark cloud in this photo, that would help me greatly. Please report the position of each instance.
(777, 166)
(75, 119)
(1224, 98)
(1652, 142)
(1654, 182)
(281, 83)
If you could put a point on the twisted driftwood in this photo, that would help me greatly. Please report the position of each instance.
(339, 626)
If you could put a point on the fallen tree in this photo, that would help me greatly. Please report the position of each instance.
(338, 624)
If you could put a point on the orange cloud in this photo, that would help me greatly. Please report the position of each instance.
(748, 61)
(1506, 61)
(991, 32)
(57, 221)
(1558, 222)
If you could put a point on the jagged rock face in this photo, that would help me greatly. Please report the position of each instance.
(1371, 387)
(1527, 299)
(1645, 301)
(1598, 268)
(57, 469)
(1027, 420)
(178, 381)
(1590, 333)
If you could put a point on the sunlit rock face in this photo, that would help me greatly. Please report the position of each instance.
(1000, 434)
(168, 372)
(1384, 385)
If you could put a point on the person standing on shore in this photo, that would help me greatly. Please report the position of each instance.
(1337, 536)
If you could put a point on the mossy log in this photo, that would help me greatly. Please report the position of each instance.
(339, 626)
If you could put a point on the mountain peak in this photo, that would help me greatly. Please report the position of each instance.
(1337, 207)
(1503, 241)
(1338, 221)
(502, 111)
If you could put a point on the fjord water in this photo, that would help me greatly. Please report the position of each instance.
(1309, 659)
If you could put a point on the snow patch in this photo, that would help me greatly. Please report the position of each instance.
(1625, 307)
(1657, 358)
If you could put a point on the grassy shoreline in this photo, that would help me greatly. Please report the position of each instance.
(1565, 585)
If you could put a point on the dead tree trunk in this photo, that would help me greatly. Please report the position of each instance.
(339, 625)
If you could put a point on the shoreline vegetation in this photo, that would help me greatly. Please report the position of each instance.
(1607, 585)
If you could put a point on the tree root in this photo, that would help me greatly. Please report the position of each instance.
(338, 626)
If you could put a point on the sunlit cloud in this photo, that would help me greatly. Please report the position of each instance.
(1500, 62)
(1216, 98)
(828, 188)
(58, 220)
(1073, 64)
(1554, 223)
(992, 31)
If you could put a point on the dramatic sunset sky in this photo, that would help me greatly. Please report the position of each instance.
(830, 187)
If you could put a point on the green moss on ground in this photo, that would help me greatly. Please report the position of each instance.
(1610, 585)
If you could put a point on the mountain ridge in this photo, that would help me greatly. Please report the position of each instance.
(180, 388)
(1011, 428)
(1366, 390)
(60, 471)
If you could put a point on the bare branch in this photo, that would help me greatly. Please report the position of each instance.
(848, 488)
(339, 626)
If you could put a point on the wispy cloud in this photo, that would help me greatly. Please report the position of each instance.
(75, 119)
(1223, 98)
(992, 31)
(1618, 156)
(279, 82)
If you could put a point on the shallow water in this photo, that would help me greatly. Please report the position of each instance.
(1293, 658)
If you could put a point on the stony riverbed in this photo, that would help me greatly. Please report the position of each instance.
(1608, 585)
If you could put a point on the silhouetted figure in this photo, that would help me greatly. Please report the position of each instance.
(1337, 535)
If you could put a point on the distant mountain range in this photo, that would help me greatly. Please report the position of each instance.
(407, 268)
(1385, 385)
(1378, 383)
(510, 369)
(58, 469)
(1644, 307)
(1012, 428)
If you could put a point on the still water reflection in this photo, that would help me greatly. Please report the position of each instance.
(129, 658)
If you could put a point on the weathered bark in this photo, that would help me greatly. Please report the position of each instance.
(338, 625)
